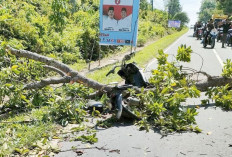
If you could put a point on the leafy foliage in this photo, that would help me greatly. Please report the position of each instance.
(222, 96)
(183, 17)
(152, 24)
(184, 53)
(206, 10)
(225, 5)
(58, 17)
(173, 7)
(88, 138)
(227, 69)
(163, 105)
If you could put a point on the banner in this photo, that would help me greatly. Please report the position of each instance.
(174, 23)
(118, 22)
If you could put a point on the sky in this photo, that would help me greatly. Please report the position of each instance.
(191, 7)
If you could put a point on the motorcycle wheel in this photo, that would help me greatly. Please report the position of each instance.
(204, 44)
(212, 43)
(119, 105)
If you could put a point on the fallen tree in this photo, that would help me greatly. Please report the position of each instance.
(160, 106)
(69, 75)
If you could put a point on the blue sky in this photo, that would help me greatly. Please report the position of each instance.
(191, 7)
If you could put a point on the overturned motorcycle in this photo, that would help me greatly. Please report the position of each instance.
(120, 98)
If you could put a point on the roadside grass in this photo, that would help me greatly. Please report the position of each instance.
(149, 52)
(141, 58)
(19, 133)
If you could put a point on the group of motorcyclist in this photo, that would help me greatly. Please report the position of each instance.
(222, 31)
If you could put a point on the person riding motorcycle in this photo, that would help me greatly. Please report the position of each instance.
(209, 28)
(198, 25)
(226, 26)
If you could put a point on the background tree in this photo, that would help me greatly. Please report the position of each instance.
(174, 10)
(173, 7)
(59, 15)
(183, 17)
(207, 9)
(225, 5)
(145, 5)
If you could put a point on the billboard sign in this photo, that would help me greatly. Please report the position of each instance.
(174, 23)
(118, 22)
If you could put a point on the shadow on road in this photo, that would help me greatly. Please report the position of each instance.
(211, 105)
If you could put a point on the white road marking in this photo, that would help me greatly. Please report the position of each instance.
(166, 50)
(218, 57)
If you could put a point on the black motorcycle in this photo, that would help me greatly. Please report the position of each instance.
(133, 77)
(209, 38)
(229, 37)
(220, 34)
(199, 33)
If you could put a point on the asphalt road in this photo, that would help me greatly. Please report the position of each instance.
(126, 140)
(204, 59)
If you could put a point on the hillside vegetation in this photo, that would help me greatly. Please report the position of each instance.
(67, 30)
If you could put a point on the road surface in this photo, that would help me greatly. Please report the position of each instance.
(125, 140)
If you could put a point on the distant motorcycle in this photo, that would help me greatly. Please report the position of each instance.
(229, 37)
(210, 38)
(220, 34)
(199, 33)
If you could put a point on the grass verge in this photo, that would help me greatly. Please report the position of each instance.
(19, 133)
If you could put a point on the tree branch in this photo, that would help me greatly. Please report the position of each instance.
(214, 81)
(48, 81)
(74, 75)
(34, 56)
(55, 69)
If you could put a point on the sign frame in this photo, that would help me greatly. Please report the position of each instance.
(116, 35)
(174, 23)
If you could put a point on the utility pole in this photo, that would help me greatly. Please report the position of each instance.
(152, 4)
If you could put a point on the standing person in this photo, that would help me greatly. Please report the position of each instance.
(124, 24)
(226, 27)
(109, 23)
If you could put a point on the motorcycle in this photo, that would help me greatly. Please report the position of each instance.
(220, 34)
(209, 38)
(199, 33)
(133, 76)
(229, 37)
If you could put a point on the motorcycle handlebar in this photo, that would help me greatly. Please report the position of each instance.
(109, 73)
(112, 70)
(126, 57)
